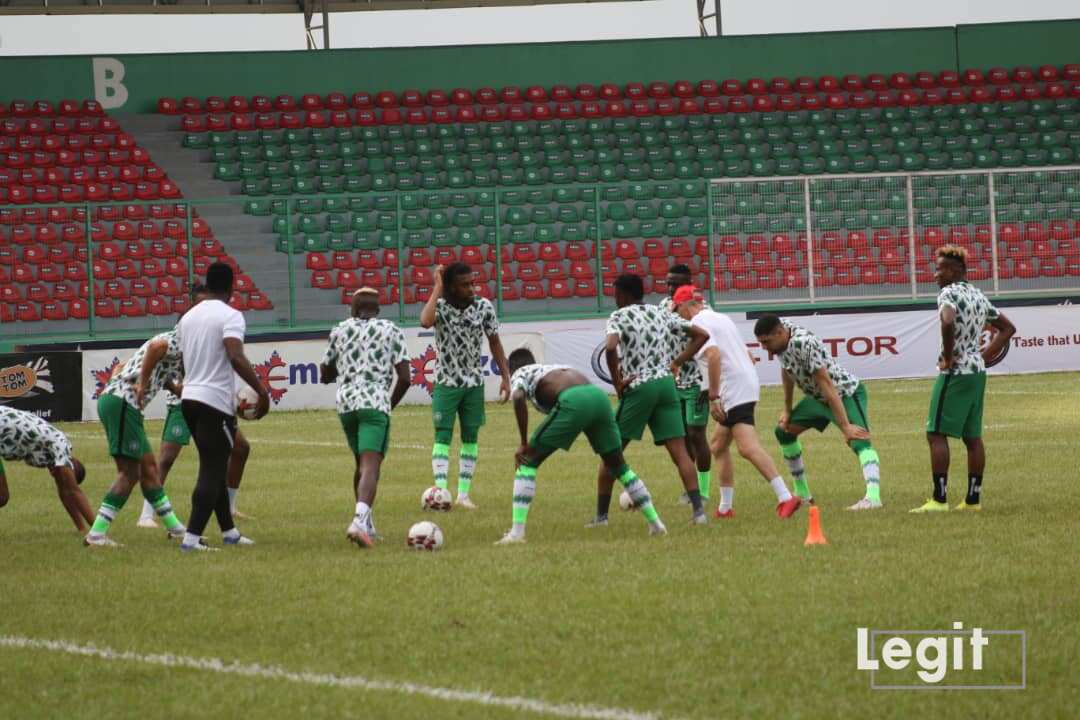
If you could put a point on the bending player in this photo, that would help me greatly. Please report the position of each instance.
(175, 436)
(688, 385)
(573, 406)
(646, 389)
(461, 321)
(120, 409)
(733, 391)
(363, 356)
(25, 436)
(833, 395)
(956, 405)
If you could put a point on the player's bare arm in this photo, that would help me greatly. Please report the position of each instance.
(401, 386)
(789, 398)
(242, 366)
(427, 314)
(72, 497)
(1005, 331)
(154, 353)
(499, 354)
(521, 414)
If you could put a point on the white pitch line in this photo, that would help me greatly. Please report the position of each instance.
(273, 672)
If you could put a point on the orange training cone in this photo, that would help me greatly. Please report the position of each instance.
(814, 536)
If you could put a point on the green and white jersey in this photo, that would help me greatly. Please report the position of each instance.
(25, 436)
(527, 378)
(170, 399)
(459, 341)
(973, 311)
(805, 355)
(647, 336)
(689, 374)
(365, 351)
(123, 382)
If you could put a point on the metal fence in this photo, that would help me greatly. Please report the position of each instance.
(548, 251)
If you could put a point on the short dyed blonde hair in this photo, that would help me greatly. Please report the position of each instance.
(953, 252)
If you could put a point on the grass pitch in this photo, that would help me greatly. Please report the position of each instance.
(736, 619)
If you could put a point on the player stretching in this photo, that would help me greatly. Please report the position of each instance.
(120, 409)
(833, 395)
(25, 436)
(363, 356)
(573, 406)
(956, 405)
(646, 389)
(733, 392)
(461, 321)
(689, 384)
(175, 436)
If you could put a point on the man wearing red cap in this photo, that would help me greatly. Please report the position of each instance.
(734, 390)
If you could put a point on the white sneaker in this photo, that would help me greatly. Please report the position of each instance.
(201, 546)
(465, 502)
(239, 540)
(147, 522)
(359, 535)
(510, 539)
(700, 518)
(657, 529)
(92, 540)
(866, 504)
(684, 499)
(597, 522)
(176, 533)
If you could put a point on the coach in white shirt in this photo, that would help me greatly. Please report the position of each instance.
(734, 389)
(212, 341)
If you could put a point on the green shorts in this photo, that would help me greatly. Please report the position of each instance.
(654, 403)
(811, 412)
(580, 409)
(448, 403)
(176, 429)
(956, 405)
(366, 430)
(123, 427)
(695, 406)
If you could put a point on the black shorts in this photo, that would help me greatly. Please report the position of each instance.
(740, 414)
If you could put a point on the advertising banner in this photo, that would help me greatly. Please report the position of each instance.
(47, 384)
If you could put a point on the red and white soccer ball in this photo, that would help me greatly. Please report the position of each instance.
(246, 401)
(437, 499)
(425, 535)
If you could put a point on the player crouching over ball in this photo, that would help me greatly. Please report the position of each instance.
(573, 406)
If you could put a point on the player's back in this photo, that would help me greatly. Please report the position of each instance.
(366, 350)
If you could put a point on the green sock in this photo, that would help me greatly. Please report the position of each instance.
(639, 494)
(110, 507)
(871, 469)
(466, 467)
(704, 479)
(440, 463)
(524, 490)
(792, 452)
(164, 509)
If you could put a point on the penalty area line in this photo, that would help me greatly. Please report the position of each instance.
(273, 672)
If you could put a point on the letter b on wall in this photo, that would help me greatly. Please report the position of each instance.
(109, 89)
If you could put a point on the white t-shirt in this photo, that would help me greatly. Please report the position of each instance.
(739, 383)
(208, 374)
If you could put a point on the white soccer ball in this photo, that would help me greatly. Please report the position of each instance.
(425, 536)
(626, 502)
(246, 400)
(437, 499)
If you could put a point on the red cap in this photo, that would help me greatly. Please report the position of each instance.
(686, 293)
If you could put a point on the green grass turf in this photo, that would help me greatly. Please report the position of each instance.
(734, 619)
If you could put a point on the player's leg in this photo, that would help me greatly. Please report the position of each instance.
(855, 407)
(372, 438)
(444, 408)
(127, 444)
(807, 413)
(635, 488)
(237, 462)
(472, 416)
(695, 407)
(631, 417)
(741, 421)
(721, 450)
(213, 432)
(669, 429)
(949, 408)
(174, 436)
(154, 495)
(976, 451)
(5, 496)
(524, 491)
